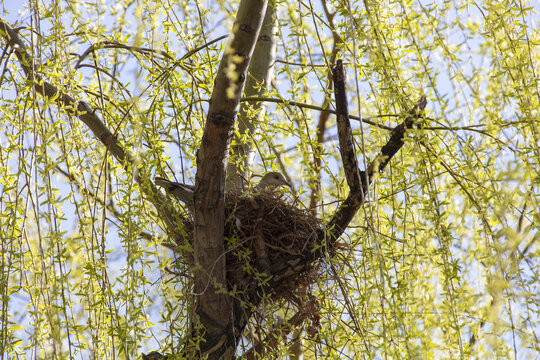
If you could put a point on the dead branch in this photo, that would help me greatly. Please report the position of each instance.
(357, 180)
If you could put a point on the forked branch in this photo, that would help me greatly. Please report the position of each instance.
(289, 266)
(358, 180)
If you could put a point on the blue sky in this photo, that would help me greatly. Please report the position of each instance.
(446, 88)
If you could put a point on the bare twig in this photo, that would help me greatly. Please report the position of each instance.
(315, 107)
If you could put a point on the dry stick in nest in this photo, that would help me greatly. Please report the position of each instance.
(358, 182)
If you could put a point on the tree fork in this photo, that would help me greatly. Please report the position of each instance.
(217, 324)
(358, 180)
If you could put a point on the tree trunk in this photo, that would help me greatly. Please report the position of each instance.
(215, 323)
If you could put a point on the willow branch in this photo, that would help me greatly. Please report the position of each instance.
(214, 307)
(86, 114)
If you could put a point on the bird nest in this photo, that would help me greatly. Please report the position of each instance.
(261, 230)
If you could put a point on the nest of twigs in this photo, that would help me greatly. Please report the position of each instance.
(262, 230)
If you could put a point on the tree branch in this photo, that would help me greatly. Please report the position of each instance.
(259, 77)
(86, 114)
(318, 108)
(346, 147)
(357, 180)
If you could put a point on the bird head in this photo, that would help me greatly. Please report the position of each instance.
(273, 179)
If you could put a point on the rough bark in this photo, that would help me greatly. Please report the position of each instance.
(217, 322)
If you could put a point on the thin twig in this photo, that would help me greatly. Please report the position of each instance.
(315, 107)
(86, 114)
